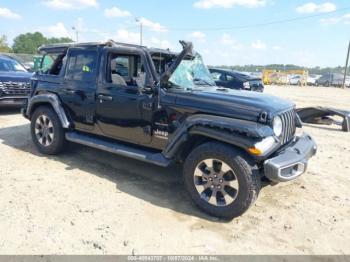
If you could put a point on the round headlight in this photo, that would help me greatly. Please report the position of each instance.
(277, 126)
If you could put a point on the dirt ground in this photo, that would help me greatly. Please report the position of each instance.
(90, 202)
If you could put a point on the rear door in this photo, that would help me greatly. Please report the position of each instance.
(78, 90)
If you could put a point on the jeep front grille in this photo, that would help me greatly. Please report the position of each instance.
(15, 88)
(288, 126)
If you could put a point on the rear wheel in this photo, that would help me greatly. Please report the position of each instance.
(47, 131)
(221, 180)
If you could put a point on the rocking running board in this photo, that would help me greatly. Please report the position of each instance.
(119, 149)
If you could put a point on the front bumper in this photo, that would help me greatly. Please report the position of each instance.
(13, 100)
(291, 162)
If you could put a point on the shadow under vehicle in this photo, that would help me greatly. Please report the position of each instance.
(225, 140)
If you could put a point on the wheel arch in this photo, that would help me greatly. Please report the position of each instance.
(198, 129)
(48, 99)
(198, 139)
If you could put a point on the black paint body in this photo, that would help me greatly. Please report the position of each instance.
(156, 118)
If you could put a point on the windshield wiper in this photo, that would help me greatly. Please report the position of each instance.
(204, 82)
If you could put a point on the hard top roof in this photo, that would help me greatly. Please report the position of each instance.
(51, 48)
(153, 50)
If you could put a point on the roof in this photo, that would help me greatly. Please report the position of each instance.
(153, 50)
(5, 56)
(232, 72)
(221, 69)
(64, 46)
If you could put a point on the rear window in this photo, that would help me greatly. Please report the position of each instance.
(82, 65)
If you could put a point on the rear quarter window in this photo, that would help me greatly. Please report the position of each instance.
(82, 65)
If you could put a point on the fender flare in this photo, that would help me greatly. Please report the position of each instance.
(241, 133)
(54, 101)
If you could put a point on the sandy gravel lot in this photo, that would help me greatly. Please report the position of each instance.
(91, 202)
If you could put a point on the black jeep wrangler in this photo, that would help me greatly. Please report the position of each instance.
(151, 105)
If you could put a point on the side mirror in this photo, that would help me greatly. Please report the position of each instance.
(29, 69)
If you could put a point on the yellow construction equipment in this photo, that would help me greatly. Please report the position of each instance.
(282, 77)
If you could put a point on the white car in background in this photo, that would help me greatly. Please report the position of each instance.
(296, 80)
(312, 79)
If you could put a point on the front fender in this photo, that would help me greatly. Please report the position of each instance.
(51, 99)
(237, 132)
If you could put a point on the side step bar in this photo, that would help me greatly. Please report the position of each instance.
(119, 149)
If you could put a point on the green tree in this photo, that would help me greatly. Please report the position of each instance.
(28, 43)
(54, 40)
(4, 48)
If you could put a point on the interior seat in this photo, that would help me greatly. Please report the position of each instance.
(116, 78)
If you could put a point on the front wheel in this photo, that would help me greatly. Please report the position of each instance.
(221, 180)
(47, 131)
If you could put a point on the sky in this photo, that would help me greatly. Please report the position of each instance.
(225, 32)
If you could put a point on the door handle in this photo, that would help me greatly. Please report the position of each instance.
(69, 91)
(104, 98)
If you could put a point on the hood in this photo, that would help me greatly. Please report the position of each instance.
(232, 103)
(7, 76)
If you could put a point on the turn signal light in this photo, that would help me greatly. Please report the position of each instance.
(254, 151)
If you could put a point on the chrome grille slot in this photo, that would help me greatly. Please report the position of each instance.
(16, 88)
(288, 125)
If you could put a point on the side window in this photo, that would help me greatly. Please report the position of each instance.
(230, 78)
(216, 76)
(82, 65)
(121, 66)
(126, 70)
(52, 64)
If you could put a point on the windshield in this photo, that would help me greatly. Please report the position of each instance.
(191, 73)
(11, 65)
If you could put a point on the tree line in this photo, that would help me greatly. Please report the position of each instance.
(29, 43)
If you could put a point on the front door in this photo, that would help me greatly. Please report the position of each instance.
(124, 111)
(233, 82)
(78, 91)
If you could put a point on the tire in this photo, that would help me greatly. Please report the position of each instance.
(47, 132)
(243, 173)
